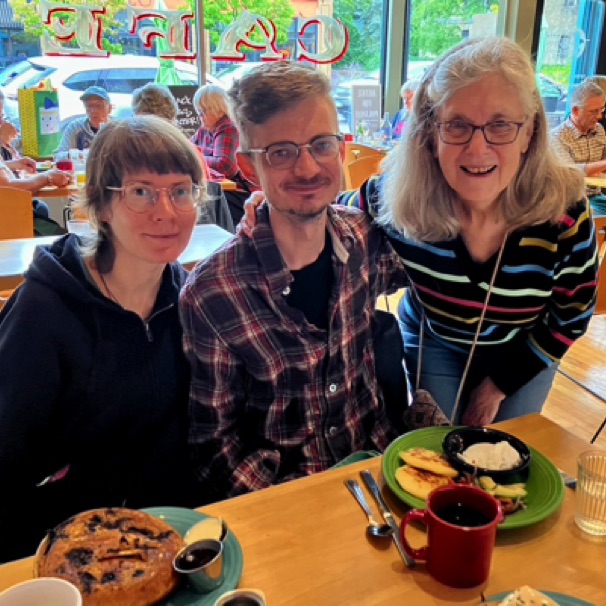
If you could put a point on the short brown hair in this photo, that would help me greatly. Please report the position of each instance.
(271, 88)
(123, 147)
(154, 100)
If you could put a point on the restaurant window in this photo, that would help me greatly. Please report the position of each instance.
(567, 51)
(570, 32)
(305, 30)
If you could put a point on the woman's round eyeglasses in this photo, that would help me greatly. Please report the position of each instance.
(141, 198)
(459, 132)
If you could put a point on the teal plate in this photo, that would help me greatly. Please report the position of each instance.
(182, 520)
(545, 487)
(559, 598)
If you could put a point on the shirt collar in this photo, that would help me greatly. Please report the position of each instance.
(577, 133)
(272, 263)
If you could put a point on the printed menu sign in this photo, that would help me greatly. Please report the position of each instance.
(187, 117)
(366, 106)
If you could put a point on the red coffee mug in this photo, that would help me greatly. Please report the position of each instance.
(461, 525)
(65, 165)
(348, 137)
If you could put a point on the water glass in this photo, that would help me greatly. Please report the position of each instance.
(591, 493)
(75, 226)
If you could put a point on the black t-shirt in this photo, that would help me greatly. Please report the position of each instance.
(310, 290)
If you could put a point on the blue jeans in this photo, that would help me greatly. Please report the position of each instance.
(442, 368)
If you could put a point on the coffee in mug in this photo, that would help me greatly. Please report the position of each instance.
(461, 525)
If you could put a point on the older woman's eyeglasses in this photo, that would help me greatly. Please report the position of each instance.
(284, 155)
(141, 198)
(459, 132)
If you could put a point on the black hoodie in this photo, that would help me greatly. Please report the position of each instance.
(86, 384)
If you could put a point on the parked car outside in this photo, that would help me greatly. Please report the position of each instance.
(71, 76)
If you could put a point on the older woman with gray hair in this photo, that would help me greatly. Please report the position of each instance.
(157, 100)
(407, 92)
(218, 137)
(102, 420)
(496, 234)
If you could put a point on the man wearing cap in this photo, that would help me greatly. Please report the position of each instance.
(80, 133)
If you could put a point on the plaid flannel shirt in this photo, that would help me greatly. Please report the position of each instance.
(219, 147)
(272, 396)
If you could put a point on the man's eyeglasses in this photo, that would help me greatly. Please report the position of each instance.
(284, 155)
(91, 107)
(595, 112)
(141, 198)
(459, 132)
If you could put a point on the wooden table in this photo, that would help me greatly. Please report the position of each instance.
(16, 255)
(57, 192)
(304, 543)
(597, 181)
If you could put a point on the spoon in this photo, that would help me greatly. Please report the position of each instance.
(374, 528)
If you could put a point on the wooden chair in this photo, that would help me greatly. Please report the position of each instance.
(5, 295)
(16, 214)
(358, 171)
(356, 151)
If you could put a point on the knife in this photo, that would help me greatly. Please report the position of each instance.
(372, 485)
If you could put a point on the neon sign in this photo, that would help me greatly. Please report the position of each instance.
(175, 29)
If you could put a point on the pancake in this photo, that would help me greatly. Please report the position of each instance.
(429, 460)
(418, 482)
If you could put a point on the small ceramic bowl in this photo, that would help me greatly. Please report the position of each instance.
(48, 591)
(242, 597)
(201, 564)
(458, 440)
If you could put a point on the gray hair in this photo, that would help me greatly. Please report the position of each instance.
(409, 85)
(599, 80)
(156, 100)
(271, 88)
(584, 91)
(417, 199)
(212, 98)
(124, 147)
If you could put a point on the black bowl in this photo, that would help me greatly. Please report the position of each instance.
(458, 440)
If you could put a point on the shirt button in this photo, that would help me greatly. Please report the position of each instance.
(333, 431)
(286, 291)
(332, 387)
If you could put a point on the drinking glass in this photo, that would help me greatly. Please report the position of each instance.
(591, 493)
(80, 180)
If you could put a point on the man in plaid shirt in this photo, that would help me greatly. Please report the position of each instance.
(581, 140)
(277, 327)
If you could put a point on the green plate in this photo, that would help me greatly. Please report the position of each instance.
(182, 520)
(545, 487)
(559, 598)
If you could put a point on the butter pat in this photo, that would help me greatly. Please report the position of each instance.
(495, 457)
(211, 528)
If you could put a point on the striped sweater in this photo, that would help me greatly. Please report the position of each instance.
(542, 300)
